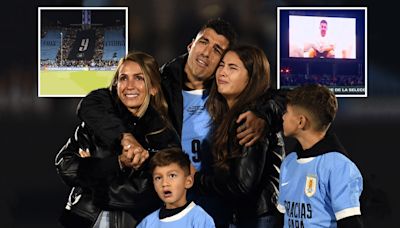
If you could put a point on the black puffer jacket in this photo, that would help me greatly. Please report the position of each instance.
(251, 186)
(98, 183)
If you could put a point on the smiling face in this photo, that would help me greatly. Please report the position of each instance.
(171, 183)
(231, 77)
(131, 87)
(205, 52)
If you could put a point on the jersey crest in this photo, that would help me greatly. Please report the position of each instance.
(311, 185)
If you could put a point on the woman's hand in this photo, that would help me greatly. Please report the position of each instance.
(133, 154)
(84, 153)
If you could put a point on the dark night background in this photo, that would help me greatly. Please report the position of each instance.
(34, 129)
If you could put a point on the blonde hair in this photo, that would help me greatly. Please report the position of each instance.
(152, 79)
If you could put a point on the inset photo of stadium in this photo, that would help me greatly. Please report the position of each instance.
(79, 48)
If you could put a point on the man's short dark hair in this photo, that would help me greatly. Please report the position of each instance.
(222, 27)
(169, 156)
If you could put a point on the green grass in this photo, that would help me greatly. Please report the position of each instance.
(72, 83)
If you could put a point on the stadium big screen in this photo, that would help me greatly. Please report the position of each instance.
(325, 46)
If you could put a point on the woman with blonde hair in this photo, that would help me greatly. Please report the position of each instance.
(111, 186)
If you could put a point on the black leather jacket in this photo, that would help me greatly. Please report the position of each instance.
(97, 182)
(173, 76)
(108, 126)
(251, 186)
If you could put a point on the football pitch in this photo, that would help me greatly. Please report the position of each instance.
(72, 83)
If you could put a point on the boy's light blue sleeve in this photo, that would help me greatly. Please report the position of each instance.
(142, 224)
(148, 221)
(203, 220)
(346, 185)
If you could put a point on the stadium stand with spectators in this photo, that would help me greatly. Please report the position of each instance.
(78, 48)
(50, 44)
(114, 44)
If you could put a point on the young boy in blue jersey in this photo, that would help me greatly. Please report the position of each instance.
(171, 178)
(319, 185)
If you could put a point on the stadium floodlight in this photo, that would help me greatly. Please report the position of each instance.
(61, 49)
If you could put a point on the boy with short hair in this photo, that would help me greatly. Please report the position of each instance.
(319, 185)
(171, 178)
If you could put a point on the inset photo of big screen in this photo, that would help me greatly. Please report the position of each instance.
(79, 48)
(325, 45)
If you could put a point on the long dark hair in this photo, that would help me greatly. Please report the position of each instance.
(257, 66)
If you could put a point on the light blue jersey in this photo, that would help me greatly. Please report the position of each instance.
(318, 191)
(192, 216)
(196, 125)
